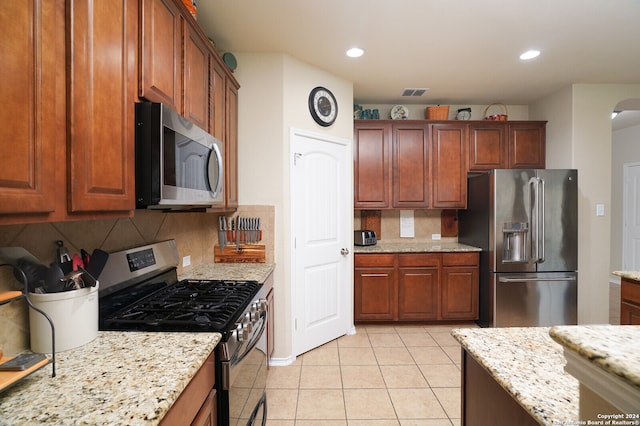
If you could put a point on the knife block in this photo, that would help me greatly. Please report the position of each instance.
(245, 253)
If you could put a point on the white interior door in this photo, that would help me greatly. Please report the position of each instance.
(631, 220)
(322, 262)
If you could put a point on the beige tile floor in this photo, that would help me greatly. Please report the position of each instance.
(382, 375)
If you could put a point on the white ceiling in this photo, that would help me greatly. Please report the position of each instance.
(464, 51)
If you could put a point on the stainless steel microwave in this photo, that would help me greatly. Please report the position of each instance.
(179, 166)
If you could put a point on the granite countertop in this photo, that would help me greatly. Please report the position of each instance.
(230, 271)
(414, 247)
(631, 275)
(529, 365)
(613, 348)
(120, 378)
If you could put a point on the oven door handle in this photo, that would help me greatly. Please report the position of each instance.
(254, 340)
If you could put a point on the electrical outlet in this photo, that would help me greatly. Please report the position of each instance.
(435, 237)
(186, 261)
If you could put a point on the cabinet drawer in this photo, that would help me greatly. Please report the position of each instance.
(420, 259)
(374, 260)
(460, 259)
(630, 292)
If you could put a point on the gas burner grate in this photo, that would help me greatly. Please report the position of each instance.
(189, 305)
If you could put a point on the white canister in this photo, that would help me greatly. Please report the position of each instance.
(74, 315)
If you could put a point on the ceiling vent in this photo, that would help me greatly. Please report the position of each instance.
(413, 92)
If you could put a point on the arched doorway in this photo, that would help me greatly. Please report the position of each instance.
(625, 170)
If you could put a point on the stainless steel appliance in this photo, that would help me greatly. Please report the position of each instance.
(364, 238)
(179, 166)
(526, 222)
(139, 291)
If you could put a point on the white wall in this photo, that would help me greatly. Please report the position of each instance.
(580, 128)
(626, 149)
(273, 99)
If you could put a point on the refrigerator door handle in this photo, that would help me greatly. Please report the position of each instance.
(537, 219)
(541, 220)
(524, 280)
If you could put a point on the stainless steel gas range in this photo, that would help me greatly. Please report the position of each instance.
(140, 291)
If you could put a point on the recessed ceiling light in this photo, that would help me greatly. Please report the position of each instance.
(530, 54)
(355, 52)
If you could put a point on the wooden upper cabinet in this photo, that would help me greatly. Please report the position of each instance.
(196, 80)
(527, 145)
(231, 144)
(372, 165)
(217, 82)
(449, 157)
(102, 91)
(487, 146)
(161, 50)
(31, 131)
(410, 165)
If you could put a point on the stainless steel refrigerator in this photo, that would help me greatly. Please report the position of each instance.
(526, 222)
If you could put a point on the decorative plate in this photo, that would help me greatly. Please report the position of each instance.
(399, 112)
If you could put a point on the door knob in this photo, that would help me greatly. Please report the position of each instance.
(344, 251)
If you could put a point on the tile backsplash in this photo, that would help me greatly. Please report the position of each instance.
(426, 223)
(195, 235)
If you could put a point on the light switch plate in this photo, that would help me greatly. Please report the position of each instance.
(186, 261)
(599, 209)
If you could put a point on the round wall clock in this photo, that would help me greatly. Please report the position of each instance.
(323, 106)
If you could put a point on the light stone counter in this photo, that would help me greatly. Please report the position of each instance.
(630, 275)
(529, 365)
(230, 271)
(120, 378)
(606, 359)
(413, 247)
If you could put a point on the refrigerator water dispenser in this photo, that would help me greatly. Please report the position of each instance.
(514, 237)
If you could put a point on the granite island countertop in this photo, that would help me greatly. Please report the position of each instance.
(119, 378)
(230, 271)
(613, 349)
(415, 247)
(529, 365)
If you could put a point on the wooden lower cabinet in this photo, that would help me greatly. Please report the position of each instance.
(196, 405)
(630, 302)
(375, 287)
(416, 287)
(484, 400)
(418, 279)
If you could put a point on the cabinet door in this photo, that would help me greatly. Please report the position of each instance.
(207, 416)
(418, 282)
(372, 152)
(410, 165)
(161, 53)
(418, 293)
(487, 146)
(629, 314)
(231, 144)
(449, 154)
(374, 293)
(459, 293)
(102, 92)
(527, 145)
(218, 94)
(31, 131)
(196, 80)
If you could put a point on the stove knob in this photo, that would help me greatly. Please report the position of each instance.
(239, 333)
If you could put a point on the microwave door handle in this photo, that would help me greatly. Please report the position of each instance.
(214, 166)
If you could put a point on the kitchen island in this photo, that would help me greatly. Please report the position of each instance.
(515, 376)
(120, 378)
(606, 361)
